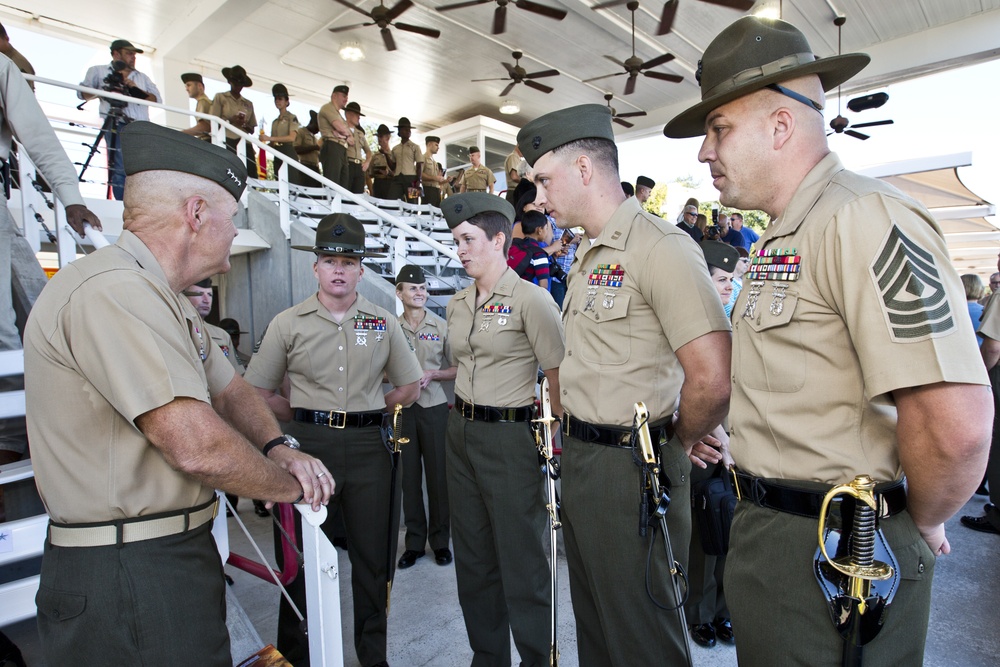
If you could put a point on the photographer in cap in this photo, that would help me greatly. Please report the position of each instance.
(120, 76)
(852, 354)
(152, 419)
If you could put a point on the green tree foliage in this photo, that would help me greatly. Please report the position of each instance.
(657, 196)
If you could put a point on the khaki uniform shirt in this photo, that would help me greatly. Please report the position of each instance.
(334, 365)
(989, 322)
(638, 294)
(514, 162)
(203, 104)
(357, 151)
(22, 117)
(328, 115)
(286, 123)
(222, 338)
(479, 178)
(225, 106)
(304, 139)
(379, 166)
(407, 156)
(108, 341)
(499, 346)
(874, 306)
(430, 173)
(430, 341)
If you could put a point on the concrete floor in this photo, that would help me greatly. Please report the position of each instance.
(426, 627)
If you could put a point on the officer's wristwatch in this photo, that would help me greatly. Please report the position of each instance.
(286, 440)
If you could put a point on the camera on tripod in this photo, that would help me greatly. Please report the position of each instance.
(114, 82)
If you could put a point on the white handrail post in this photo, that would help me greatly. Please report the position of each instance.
(284, 214)
(65, 243)
(326, 642)
(31, 201)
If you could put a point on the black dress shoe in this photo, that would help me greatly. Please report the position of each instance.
(980, 523)
(408, 558)
(260, 510)
(442, 556)
(724, 630)
(703, 634)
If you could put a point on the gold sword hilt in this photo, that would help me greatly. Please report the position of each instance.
(397, 424)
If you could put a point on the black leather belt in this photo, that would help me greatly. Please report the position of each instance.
(488, 413)
(610, 436)
(784, 496)
(339, 418)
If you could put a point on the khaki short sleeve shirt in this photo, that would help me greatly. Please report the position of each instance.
(512, 163)
(850, 295)
(430, 343)
(357, 151)
(638, 294)
(285, 124)
(379, 166)
(499, 346)
(407, 156)
(328, 115)
(334, 365)
(225, 106)
(305, 139)
(989, 323)
(108, 341)
(430, 171)
(225, 342)
(479, 178)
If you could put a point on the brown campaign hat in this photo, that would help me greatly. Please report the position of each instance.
(558, 128)
(751, 54)
(340, 234)
(355, 107)
(150, 147)
(411, 273)
(120, 44)
(404, 123)
(237, 75)
(459, 208)
(720, 255)
(382, 130)
(188, 77)
(313, 125)
(279, 90)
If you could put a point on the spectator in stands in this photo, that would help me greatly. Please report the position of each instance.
(337, 136)
(742, 265)
(382, 165)
(527, 257)
(283, 128)
(124, 80)
(514, 168)
(749, 235)
(195, 86)
(359, 154)
(407, 163)
(974, 290)
(727, 234)
(478, 177)
(307, 149)
(433, 177)
(238, 111)
(643, 188)
(690, 202)
(689, 222)
(129, 475)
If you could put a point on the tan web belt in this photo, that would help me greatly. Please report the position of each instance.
(132, 530)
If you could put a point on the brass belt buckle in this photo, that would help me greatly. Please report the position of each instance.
(736, 483)
(472, 411)
(343, 420)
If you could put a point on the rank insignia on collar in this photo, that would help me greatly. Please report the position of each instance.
(775, 264)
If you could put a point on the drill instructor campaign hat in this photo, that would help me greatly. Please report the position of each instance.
(755, 53)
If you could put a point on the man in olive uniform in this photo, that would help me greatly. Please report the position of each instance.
(128, 474)
(194, 84)
(424, 423)
(359, 155)
(432, 178)
(639, 291)
(504, 330)
(643, 187)
(237, 110)
(382, 165)
(853, 355)
(201, 297)
(408, 163)
(477, 178)
(307, 149)
(513, 167)
(336, 346)
(337, 136)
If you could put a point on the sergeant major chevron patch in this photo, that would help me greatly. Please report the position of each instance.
(915, 303)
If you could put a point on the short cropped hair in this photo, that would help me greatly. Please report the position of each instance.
(494, 223)
(601, 151)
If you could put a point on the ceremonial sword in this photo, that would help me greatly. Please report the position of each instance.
(550, 470)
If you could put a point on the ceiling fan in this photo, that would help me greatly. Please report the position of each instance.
(500, 13)
(634, 65)
(519, 75)
(617, 117)
(384, 17)
(840, 124)
(670, 10)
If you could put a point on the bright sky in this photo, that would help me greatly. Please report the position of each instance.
(946, 113)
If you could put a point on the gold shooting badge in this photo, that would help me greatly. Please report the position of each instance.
(608, 276)
(363, 323)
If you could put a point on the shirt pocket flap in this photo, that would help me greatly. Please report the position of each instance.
(601, 312)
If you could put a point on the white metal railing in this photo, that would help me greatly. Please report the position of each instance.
(218, 130)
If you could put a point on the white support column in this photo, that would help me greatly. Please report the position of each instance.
(326, 642)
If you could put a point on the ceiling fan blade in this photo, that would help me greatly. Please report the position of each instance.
(865, 102)
(667, 18)
(460, 5)
(420, 30)
(390, 43)
(354, 7)
(615, 61)
(609, 3)
(630, 114)
(740, 5)
(873, 123)
(503, 78)
(500, 20)
(345, 28)
(625, 123)
(398, 9)
(657, 61)
(538, 86)
(603, 76)
(544, 10)
(510, 86)
(856, 135)
(630, 85)
(543, 73)
(663, 76)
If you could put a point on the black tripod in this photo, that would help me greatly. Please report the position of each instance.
(115, 114)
